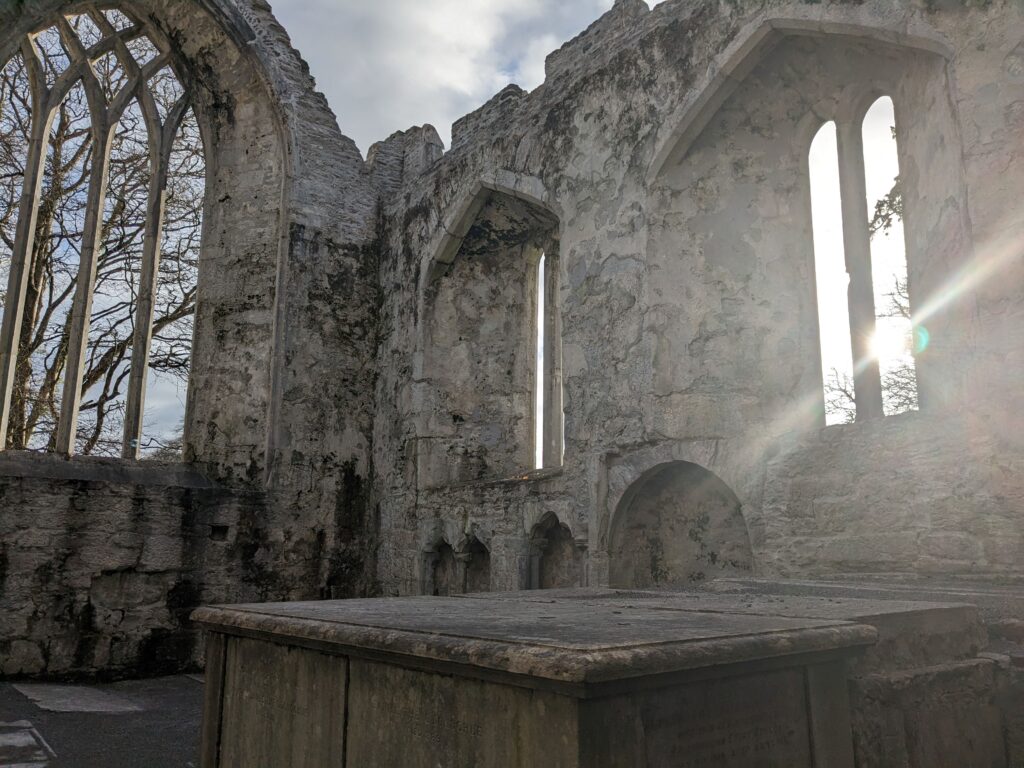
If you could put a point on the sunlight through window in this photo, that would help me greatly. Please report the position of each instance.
(538, 412)
(831, 277)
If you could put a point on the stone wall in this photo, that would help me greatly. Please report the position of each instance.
(672, 145)
(360, 414)
(105, 562)
(102, 563)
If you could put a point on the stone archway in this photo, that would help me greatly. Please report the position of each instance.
(555, 559)
(677, 524)
(478, 566)
(445, 571)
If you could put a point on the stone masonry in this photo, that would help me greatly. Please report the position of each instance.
(361, 409)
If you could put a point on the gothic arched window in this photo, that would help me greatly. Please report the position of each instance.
(864, 314)
(102, 180)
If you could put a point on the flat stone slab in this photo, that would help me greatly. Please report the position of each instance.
(21, 746)
(910, 633)
(579, 641)
(577, 679)
(995, 600)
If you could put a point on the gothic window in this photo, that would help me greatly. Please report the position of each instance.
(102, 180)
(548, 417)
(865, 325)
(492, 345)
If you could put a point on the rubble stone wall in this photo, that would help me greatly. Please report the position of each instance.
(361, 385)
(103, 567)
(672, 145)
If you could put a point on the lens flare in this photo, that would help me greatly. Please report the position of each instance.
(922, 338)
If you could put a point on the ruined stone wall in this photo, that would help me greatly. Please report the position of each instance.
(672, 146)
(104, 566)
(362, 334)
(101, 564)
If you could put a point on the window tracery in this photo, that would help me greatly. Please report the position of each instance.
(103, 177)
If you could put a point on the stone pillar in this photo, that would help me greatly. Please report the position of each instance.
(867, 381)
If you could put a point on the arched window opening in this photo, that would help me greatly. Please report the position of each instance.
(60, 225)
(548, 416)
(864, 317)
(540, 373)
(831, 276)
(492, 346)
(15, 101)
(893, 342)
(170, 351)
(103, 175)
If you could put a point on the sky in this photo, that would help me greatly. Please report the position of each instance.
(387, 65)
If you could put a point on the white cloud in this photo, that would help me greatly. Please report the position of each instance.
(391, 64)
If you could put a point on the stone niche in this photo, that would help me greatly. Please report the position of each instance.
(677, 524)
(519, 680)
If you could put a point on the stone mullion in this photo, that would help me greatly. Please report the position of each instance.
(143, 331)
(43, 111)
(161, 141)
(462, 560)
(81, 309)
(857, 245)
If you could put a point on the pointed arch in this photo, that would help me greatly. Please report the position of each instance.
(110, 56)
(747, 49)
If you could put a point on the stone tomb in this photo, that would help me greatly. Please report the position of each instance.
(518, 682)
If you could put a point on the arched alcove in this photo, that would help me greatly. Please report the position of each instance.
(478, 566)
(555, 559)
(449, 570)
(444, 571)
(677, 524)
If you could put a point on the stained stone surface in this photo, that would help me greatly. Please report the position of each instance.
(571, 682)
(361, 390)
(574, 641)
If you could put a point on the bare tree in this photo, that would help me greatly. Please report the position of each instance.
(43, 344)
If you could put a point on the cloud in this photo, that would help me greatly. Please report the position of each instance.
(391, 64)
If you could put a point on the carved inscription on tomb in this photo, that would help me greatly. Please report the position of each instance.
(759, 721)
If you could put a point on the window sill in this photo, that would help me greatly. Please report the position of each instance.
(522, 478)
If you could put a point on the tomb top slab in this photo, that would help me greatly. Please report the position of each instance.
(778, 604)
(575, 642)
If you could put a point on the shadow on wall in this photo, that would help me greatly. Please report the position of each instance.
(677, 524)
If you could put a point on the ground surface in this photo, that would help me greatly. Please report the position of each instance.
(132, 724)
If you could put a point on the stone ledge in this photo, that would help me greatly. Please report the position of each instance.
(590, 648)
(27, 464)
